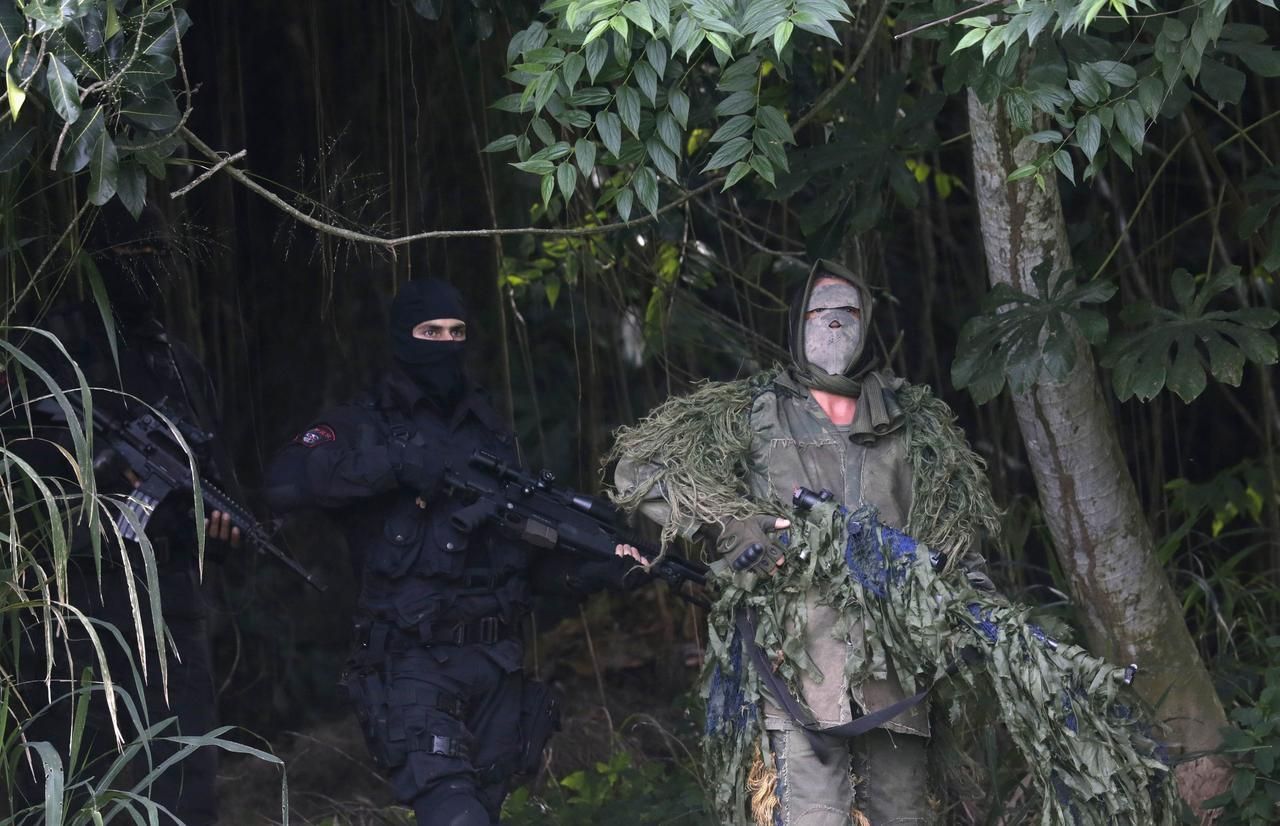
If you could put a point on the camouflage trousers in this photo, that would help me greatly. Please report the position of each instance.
(881, 775)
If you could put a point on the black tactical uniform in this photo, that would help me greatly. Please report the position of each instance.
(163, 374)
(436, 677)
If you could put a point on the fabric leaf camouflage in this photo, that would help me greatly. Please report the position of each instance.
(1089, 751)
(1093, 760)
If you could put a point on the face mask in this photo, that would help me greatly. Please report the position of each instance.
(833, 327)
(435, 366)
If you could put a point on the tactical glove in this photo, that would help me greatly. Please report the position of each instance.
(747, 545)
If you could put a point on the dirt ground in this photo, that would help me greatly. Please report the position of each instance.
(628, 687)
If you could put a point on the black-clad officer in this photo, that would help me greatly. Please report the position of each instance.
(436, 678)
(147, 370)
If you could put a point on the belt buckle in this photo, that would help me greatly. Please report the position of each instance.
(460, 634)
(449, 747)
(489, 630)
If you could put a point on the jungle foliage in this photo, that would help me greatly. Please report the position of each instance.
(689, 156)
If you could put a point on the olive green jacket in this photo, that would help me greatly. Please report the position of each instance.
(795, 444)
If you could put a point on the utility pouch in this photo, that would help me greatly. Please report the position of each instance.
(539, 719)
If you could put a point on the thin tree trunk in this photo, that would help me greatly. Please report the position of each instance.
(1090, 502)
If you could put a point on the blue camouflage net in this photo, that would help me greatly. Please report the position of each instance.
(727, 704)
(877, 559)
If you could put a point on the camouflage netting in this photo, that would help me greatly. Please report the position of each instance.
(700, 448)
(1092, 761)
(1089, 752)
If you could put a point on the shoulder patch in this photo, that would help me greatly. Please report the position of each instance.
(316, 436)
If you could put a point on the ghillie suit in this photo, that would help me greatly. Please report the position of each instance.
(1092, 763)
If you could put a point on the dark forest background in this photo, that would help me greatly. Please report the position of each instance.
(371, 116)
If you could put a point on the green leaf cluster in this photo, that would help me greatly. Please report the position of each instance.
(608, 79)
(1104, 91)
(1022, 337)
(623, 789)
(1253, 743)
(867, 160)
(1179, 348)
(101, 77)
(1241, 492)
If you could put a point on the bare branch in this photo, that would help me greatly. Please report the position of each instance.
(208, 173)
(944, 20)
(366, 238)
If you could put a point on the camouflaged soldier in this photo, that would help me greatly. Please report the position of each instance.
(814, 426)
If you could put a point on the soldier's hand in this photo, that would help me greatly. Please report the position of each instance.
(629, 551)
(748, 545)
(218, 527)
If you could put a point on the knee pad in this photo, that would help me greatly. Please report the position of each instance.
(451, 807)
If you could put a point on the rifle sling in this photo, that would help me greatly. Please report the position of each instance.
(746, 626)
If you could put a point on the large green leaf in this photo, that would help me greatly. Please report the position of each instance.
(147, 72)
(669, 131)
(662, 158)
(12, 26)
(1176, 348)
(678, 101)
(104, 170)
(646, 187)
(131, 187)
(1221, 82)
(609, 127)
(77, 149)
(49, 15)
(567, 179)
(1023, 338)
(64, 92)
(734, 150)
(629, 108)
(164, 28)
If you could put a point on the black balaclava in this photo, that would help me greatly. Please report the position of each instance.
(131, 255)
(435, 366)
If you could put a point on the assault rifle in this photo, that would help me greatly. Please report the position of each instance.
(538, 512)
(146, 445)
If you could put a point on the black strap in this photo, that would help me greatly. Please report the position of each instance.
(746, 625)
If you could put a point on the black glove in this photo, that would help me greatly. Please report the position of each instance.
(417, 468)
(747, 545)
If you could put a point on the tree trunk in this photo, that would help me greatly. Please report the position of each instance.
(1090, 502)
